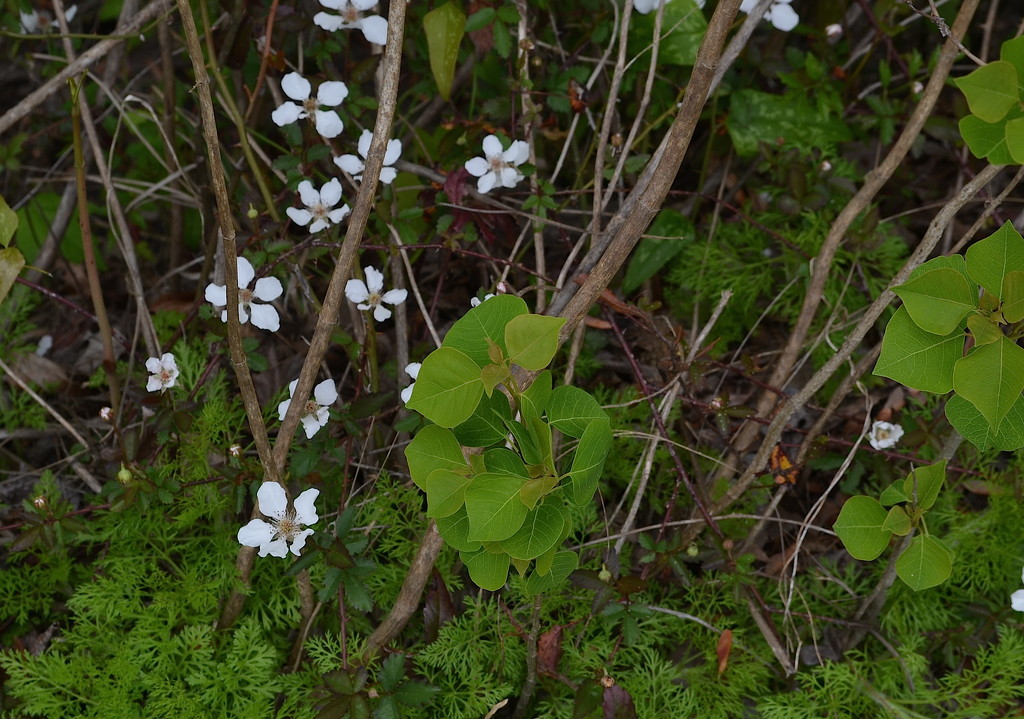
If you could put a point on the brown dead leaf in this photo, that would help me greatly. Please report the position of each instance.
(723, 650)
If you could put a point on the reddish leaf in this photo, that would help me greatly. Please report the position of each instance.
(724, 647)
(549, 650)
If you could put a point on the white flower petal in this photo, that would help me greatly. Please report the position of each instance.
(300, 541)
(330, 193)
(153, 365)
(361, 5)
(517, 153)
(318, 225)
(406, 393)
(305, 509)
(492, 146)
(245, 272)
(243, 313)
(299, 216)
(277, 548)
(393, 152)
(510, 176)
(296, 86)
(282, 409)
(265, 317)
(381, 313)
(267, 289)
(339, 214)
(308, 194)
(477, 167)
(486, 183)
(325, 393)
(356, 291)
(272, 500)
(375, 29)
(328, 124)
(747, 5)
(374, 279)
(413, 369)
(29, 22)
(153, 384)
(334, 4)
(310, 425)
(350, 164)
(1017, 600)
(394, 297)
(291, 387)
(332, 93)
(387, 175)
(256, 533)
(286, 114)
(328, 22)
(363, 146)
(784, 18)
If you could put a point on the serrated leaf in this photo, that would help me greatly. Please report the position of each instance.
(433, 448)
(990, 259)
(991, 377)
(448, 387)
(444, 27)
(859, 527)
(916, 358)
(938, 300)
(968, 421)
(925, 563)
(532, 340)
(991, 90)
(494, 508)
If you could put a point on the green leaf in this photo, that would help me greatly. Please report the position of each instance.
(540, 532)
(444, 27)
(588, 462)
(571, 410)
(1012, 308)
(986, 140)
(482, 325)
(1015, 139)
(536, 489)
(991, 378)
(446, 492)
(505, 461)
(1013, 52)
(922, 485)
(893, 494)
(532, 340)
(11, 264)
(916, 358)
(525, 442)
(670, 232)
(859, 527)
(448, 387)
(562, 565)
(486, 426)
(534, 400)
(758, 117)
(8, 226)
(488, 571)
(990, 259)
(480, 19)
(991, 90)
(897, 521)
(984, 329)
(925, 563)
(433, 448)
(968, 421)
(938, 300)
(455, 530)
(683, 26)
(493, 506)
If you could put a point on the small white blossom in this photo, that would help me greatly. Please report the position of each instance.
(36, 22)
(413, 370)
(498, 167)
(267, 289)
(319, 206)
(315, 413)
(284, 530)
(164, 372)
(106, 414)
(917, 88)
(329, 94)
(235, 450)
(779, 14)
(354, 165)
(833, 32)
(1017, 598)
(884, 435)
(476, 301)
(350, 17)
(367, 295)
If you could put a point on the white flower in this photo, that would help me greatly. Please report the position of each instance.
(476, 301)
(267, 289)
(780, 14)
(367, 295)
(318, 205)
(413, 370)
(329, 94)
(498, 167)
(285, 525)
(833, 32)
(884, 435)
(350, 17)
(164, 372)
(354, 165)
(35, 22)
(315, 413)
(1017, 598)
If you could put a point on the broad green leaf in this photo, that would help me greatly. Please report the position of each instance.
(571, 410)
(1013, 52)
(492, 375)
(588, 462)
(922, 485)
(539, 533)
(534, 400)
(488, 571)
(541, 432)
(8, 226)
(893, 494)
(526, 442)
(535, 489)
(455, 530)
(986, 140)
(444, 27)
(493, 506)
(916, 358)
(562, 565)
(485, 323)
(984, 329)
(1013, 296)
(544, 561)
(11, 264)
(991, 378)
(968, 421)
(938, 300)
(433, 448)
(683, 26)
(665, 239)
(897, 521)
(952, 262)
(990, 259)
(925, 563)
(532, 340)
(487, 424)
(446, 492)
(1015, 139)
(759, 117)
(505, 461)
(859, 527)
(991, 90)
(448, 387)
